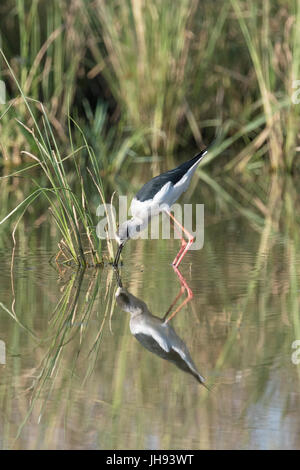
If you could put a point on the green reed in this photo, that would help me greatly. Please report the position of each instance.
(44, 43)
(276, 64)
(70, 208)
(184, 70)
(169, 73)
(146, 48)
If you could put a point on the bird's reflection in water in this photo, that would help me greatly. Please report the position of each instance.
(156, 334)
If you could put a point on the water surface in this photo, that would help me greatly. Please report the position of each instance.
(75, 377)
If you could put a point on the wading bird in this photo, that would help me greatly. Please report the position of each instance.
(158, 195)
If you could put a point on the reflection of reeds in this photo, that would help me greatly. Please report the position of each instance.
(105, 391)
(272, 284)
(69, 324)
(261, 259)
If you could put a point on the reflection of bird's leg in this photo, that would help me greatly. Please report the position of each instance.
(184, 287)
(185, 245)
(183, 283)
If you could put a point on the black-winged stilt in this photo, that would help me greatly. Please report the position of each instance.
(156, 196)
(156, 334)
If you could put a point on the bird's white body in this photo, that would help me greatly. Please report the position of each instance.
(158, 195)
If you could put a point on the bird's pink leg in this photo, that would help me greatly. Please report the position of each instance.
(184, 245)
(183, 242)
(184, 251)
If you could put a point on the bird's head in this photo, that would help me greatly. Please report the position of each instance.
(122, 233)
(129, 229)
(129, 303)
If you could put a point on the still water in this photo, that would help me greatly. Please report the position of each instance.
(73, 375)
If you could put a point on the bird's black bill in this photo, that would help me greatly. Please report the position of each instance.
(117, 258)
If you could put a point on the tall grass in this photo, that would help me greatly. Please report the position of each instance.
(147, 45)
(170, 74)
(276, 64)
(70, 209)
(168, 66)
(45, 46)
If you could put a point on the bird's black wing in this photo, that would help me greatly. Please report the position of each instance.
(152, 187)
(149, 343)
(172, 356)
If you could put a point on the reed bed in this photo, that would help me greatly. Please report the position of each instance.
(69, 207)
(170, 74)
